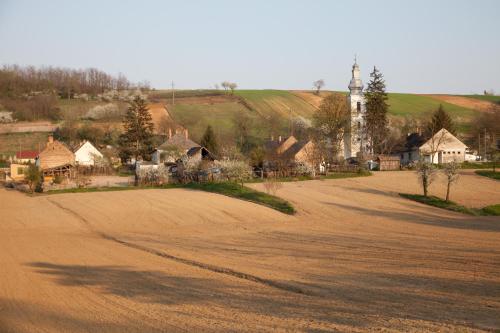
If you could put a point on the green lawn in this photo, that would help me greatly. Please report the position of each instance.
(245, 193)
(489, 173)
(450, 205)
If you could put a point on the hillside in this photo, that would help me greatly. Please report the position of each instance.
(260, 112)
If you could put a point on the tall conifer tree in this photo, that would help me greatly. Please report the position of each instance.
(441, 119)
(209, 141)
(376, 110)
(137, 140)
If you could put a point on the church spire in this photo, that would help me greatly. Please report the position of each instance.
(355, 86)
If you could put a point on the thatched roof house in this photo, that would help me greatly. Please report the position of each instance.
(56, 158)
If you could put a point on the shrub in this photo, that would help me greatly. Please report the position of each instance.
(235, 170)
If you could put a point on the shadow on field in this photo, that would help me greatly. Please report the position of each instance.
(343, 299)
(25, 317)
(161, 288)
(428, 218)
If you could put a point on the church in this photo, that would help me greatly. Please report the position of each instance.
(355, 138)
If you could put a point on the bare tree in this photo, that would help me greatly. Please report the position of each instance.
(318, 84)
(451, 172)
(330, 121)
(225, 85)
(426, 173)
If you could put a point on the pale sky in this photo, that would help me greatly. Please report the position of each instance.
(420, 46)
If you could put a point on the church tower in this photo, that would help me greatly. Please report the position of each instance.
(354, 137)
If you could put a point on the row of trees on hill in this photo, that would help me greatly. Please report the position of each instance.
(16, 81)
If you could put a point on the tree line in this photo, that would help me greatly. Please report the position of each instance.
(17, 81)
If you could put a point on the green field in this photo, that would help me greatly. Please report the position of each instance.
(276, 102)
(488, 98)
(221, 116)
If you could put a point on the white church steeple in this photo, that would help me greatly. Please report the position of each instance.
(355, 86)
(355, 138)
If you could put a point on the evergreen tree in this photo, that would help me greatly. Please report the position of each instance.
(137, 140)
(440, 119)
(209, 141)
(376, 110)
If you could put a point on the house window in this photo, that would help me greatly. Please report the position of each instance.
(458, 152)
(20, 171)
(453, 152)
(358, 106)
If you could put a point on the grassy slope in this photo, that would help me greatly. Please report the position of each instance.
(450, 205)
(196, 117)
(494, 99)
(489, 174)
(268, 102)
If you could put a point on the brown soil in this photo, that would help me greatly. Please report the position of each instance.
(466, 102)
(356, 257)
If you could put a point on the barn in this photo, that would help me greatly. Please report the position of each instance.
(388, 162)
(56, 159)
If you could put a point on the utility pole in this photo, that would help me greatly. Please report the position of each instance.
(479, 145)
(291, 122)
(173, 94)
(485, 144)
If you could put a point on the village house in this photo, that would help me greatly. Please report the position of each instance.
(25, 156)
(56, 159)
(442, 147)
(86, 154)
(289, 152)
(179, 141)
(18, 171)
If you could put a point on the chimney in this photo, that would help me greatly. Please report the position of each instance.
(186, 133)
(169, 133)
(279, 138)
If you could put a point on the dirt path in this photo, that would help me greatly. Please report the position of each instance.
(356, 257)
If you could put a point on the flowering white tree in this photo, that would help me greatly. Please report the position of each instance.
(235, 170)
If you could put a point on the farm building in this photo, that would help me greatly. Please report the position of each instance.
(388, 162)
(442, 147)
(86, 154)
(56, 159)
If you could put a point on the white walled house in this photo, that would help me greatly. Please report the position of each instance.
(443, 147)
(86, 154)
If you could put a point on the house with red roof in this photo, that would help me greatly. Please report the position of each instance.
(26, 156)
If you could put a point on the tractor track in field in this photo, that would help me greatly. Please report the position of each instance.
(189, 262)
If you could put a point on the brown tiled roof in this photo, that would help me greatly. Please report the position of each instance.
(179, 140)
(294, 149)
